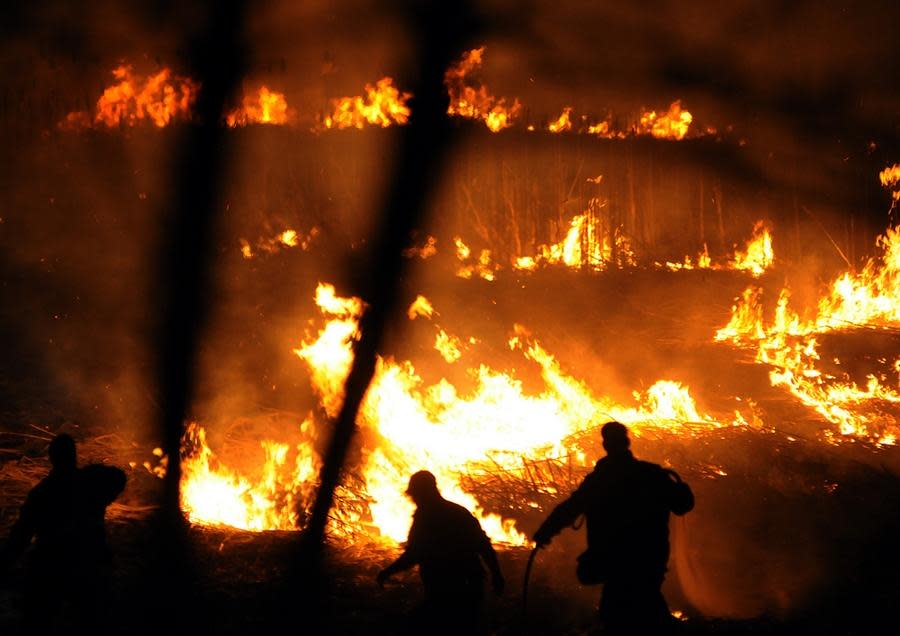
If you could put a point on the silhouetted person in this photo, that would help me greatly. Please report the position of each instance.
(450, 548)
(64, 514)
(626, 503)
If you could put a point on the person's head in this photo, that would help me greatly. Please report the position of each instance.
(615, 438)
(422, 488)
(62, 452)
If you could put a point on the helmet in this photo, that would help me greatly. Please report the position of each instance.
(422, 483)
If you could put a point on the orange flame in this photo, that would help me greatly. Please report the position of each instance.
(562, 123)
(673, 124)
(266, 107)
(411, 425)
(382, 106)
(586, 244)
(789, 344)
(159, 98)
(287, 238)
(477, 102)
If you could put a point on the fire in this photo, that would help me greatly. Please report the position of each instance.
(790, 344)
(562, 123)
(673, 124)
(756, 258)
(266, 107)
(703, 261)
(586, 244)
(383, 105)
(759, 255)
(271, 245)
(159, 98)
(410, 425)
(434, 426)
(448, 346)
(212, 493)
(890, 178)
(477, 102)
(421, 306)
(483, 266)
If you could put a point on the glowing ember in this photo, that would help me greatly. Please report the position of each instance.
(266, 107)
(477, 102)
(383, 105)
(159, 98)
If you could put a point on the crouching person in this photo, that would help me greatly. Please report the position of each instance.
(451, 550)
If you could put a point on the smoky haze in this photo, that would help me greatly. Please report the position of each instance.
(802, 95)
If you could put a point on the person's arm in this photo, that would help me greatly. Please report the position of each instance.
(565, 514)
(405, 561)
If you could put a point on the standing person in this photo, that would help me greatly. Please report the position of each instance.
(449, 546)
(64, 514)
(626, 503)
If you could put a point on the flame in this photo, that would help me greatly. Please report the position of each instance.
(562, 123)
(448, 346)
(586, 244)
(483, 266)
(759, 254)
(790, 345)
(159, 98)
(477, 102)
(410, 425)
(673, 124)
(421, 306)
(756, 258)
(271, 245)
(212, 493)
(414, 426)
(890, 178)
(266, 107)
(383, 106)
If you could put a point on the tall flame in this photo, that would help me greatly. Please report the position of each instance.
(411, 425)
